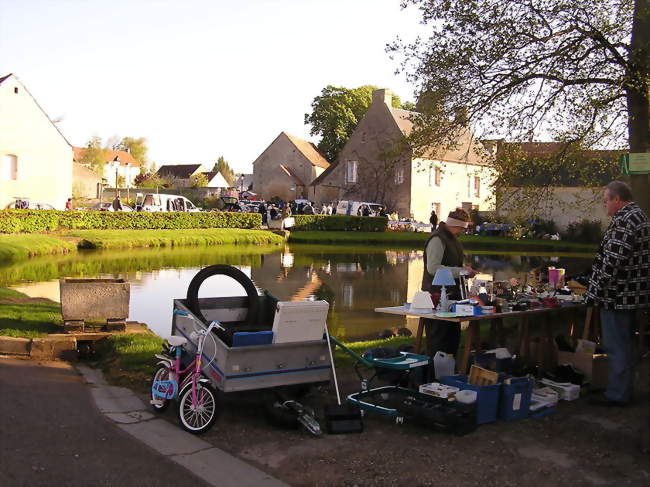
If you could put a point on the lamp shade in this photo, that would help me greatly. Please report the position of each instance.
(443, 277)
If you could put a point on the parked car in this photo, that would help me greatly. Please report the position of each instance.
(251, 206)
(163, 202)
(351, 208)
(107, 206)
(228, 203)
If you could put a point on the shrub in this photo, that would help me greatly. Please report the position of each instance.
(586, 231)
(38, 221)
(340, 223)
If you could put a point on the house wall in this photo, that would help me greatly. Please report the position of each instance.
(456, 189)
(84, 182)
(270, 180)
(44, 157)
(375, 134)
(563, 205)
(129, 173)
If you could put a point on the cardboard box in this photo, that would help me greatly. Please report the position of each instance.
(565, 391)
(438, 390)
(593, 366)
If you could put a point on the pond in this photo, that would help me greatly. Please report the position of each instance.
(355, 280)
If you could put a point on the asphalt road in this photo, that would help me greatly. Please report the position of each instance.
(52, 434)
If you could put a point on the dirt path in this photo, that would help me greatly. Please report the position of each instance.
(580, 445)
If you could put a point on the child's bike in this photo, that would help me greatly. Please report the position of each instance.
(197, 402)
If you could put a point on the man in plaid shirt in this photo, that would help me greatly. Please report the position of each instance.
(619, 286)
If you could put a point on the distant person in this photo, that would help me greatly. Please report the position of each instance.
(273, 212)
(68, 204)
(433, 219)
(262, 210)
(365, 211)
(382, 212)
(117, 203)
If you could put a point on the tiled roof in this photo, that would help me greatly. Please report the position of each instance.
(180, 171)
(111, 155)
(309, 150)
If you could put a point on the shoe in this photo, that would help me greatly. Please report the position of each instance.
(606, 402)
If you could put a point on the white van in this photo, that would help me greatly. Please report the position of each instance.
(163, 202)
(352, 208)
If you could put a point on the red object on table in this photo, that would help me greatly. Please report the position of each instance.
(435, 297)
(550, 302)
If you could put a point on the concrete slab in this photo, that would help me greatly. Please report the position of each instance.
(110, 399)
(48, 349)
(91, 376)
(129, 418)
(166, 438)
(224, 470)
(14, 346)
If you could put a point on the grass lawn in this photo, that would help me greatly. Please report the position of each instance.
(121, 239)
(21, 246)
(417, 239)
(25, 317)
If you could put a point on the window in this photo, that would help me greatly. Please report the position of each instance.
(477, 186)
(15, 89)
(9, 167)
(399, 175)
(351, 172)
(435, 175)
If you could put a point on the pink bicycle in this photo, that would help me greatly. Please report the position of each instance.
(197, 403)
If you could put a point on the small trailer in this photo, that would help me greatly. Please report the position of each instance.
(266, 343)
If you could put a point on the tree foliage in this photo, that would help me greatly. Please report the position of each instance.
(136, 146)
(95, 155)
(226, 171)
(335, 114)
(198, 180)
(576, 71)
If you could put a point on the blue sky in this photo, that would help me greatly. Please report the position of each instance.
(197, 78)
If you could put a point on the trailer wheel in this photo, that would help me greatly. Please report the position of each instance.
(225, 270)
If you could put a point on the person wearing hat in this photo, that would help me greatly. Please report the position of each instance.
(443, 249)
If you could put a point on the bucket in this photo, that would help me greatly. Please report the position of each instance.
(466, 396)
(443, 364)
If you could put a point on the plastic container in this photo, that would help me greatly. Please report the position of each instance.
(515, 398)
(466, 396)
(487, 397)
(443, 364)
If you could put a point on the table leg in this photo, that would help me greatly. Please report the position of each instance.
(418, 336)
(493, 333)
(467, 348)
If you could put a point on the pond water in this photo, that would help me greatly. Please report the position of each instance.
(355, 280)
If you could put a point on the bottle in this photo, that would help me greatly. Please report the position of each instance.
(443, 364)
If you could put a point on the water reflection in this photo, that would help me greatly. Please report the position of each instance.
(355, 280)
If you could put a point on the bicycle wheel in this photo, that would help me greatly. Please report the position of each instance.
(198, 418)
(162, 374)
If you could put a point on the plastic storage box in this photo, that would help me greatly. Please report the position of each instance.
(487, 397)
(515, 398)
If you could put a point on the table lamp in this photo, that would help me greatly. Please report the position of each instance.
(443, 277)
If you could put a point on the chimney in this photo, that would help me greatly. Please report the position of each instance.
(383, 96)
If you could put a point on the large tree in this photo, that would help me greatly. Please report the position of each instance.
(335, 114)
(95, 155)
(137, 146)
(226, 171)
(576, 71)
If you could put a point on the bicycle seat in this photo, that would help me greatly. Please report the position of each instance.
(176, 341)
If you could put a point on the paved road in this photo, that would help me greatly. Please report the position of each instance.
(52, 434)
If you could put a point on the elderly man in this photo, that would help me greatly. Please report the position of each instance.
(619, 286)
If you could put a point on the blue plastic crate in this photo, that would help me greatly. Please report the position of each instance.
(515, 398)
(246, 338)
(487, 397)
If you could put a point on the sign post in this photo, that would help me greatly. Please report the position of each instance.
(637, 163)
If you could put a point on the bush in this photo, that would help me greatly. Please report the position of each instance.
(541, 227)
(38, 221)
(340, 223)
(585, 231)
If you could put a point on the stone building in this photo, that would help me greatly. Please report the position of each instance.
(373, 167)
(286, 168)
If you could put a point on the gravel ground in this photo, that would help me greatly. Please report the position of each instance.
(579, 445)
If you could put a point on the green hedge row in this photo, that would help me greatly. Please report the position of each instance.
(37, 221)
(340, 223)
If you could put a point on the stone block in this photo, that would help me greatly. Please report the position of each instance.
(89, 299)
(14, 346)
(48, 349)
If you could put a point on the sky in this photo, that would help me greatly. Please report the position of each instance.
(197, 78)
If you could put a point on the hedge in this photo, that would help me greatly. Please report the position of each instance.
(340, 223)
(38, 221)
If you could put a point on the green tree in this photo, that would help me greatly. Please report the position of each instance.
(95, 155)
(198, 180)
(575, 70)
(226, 171)
(137, 147)
(335, 114)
